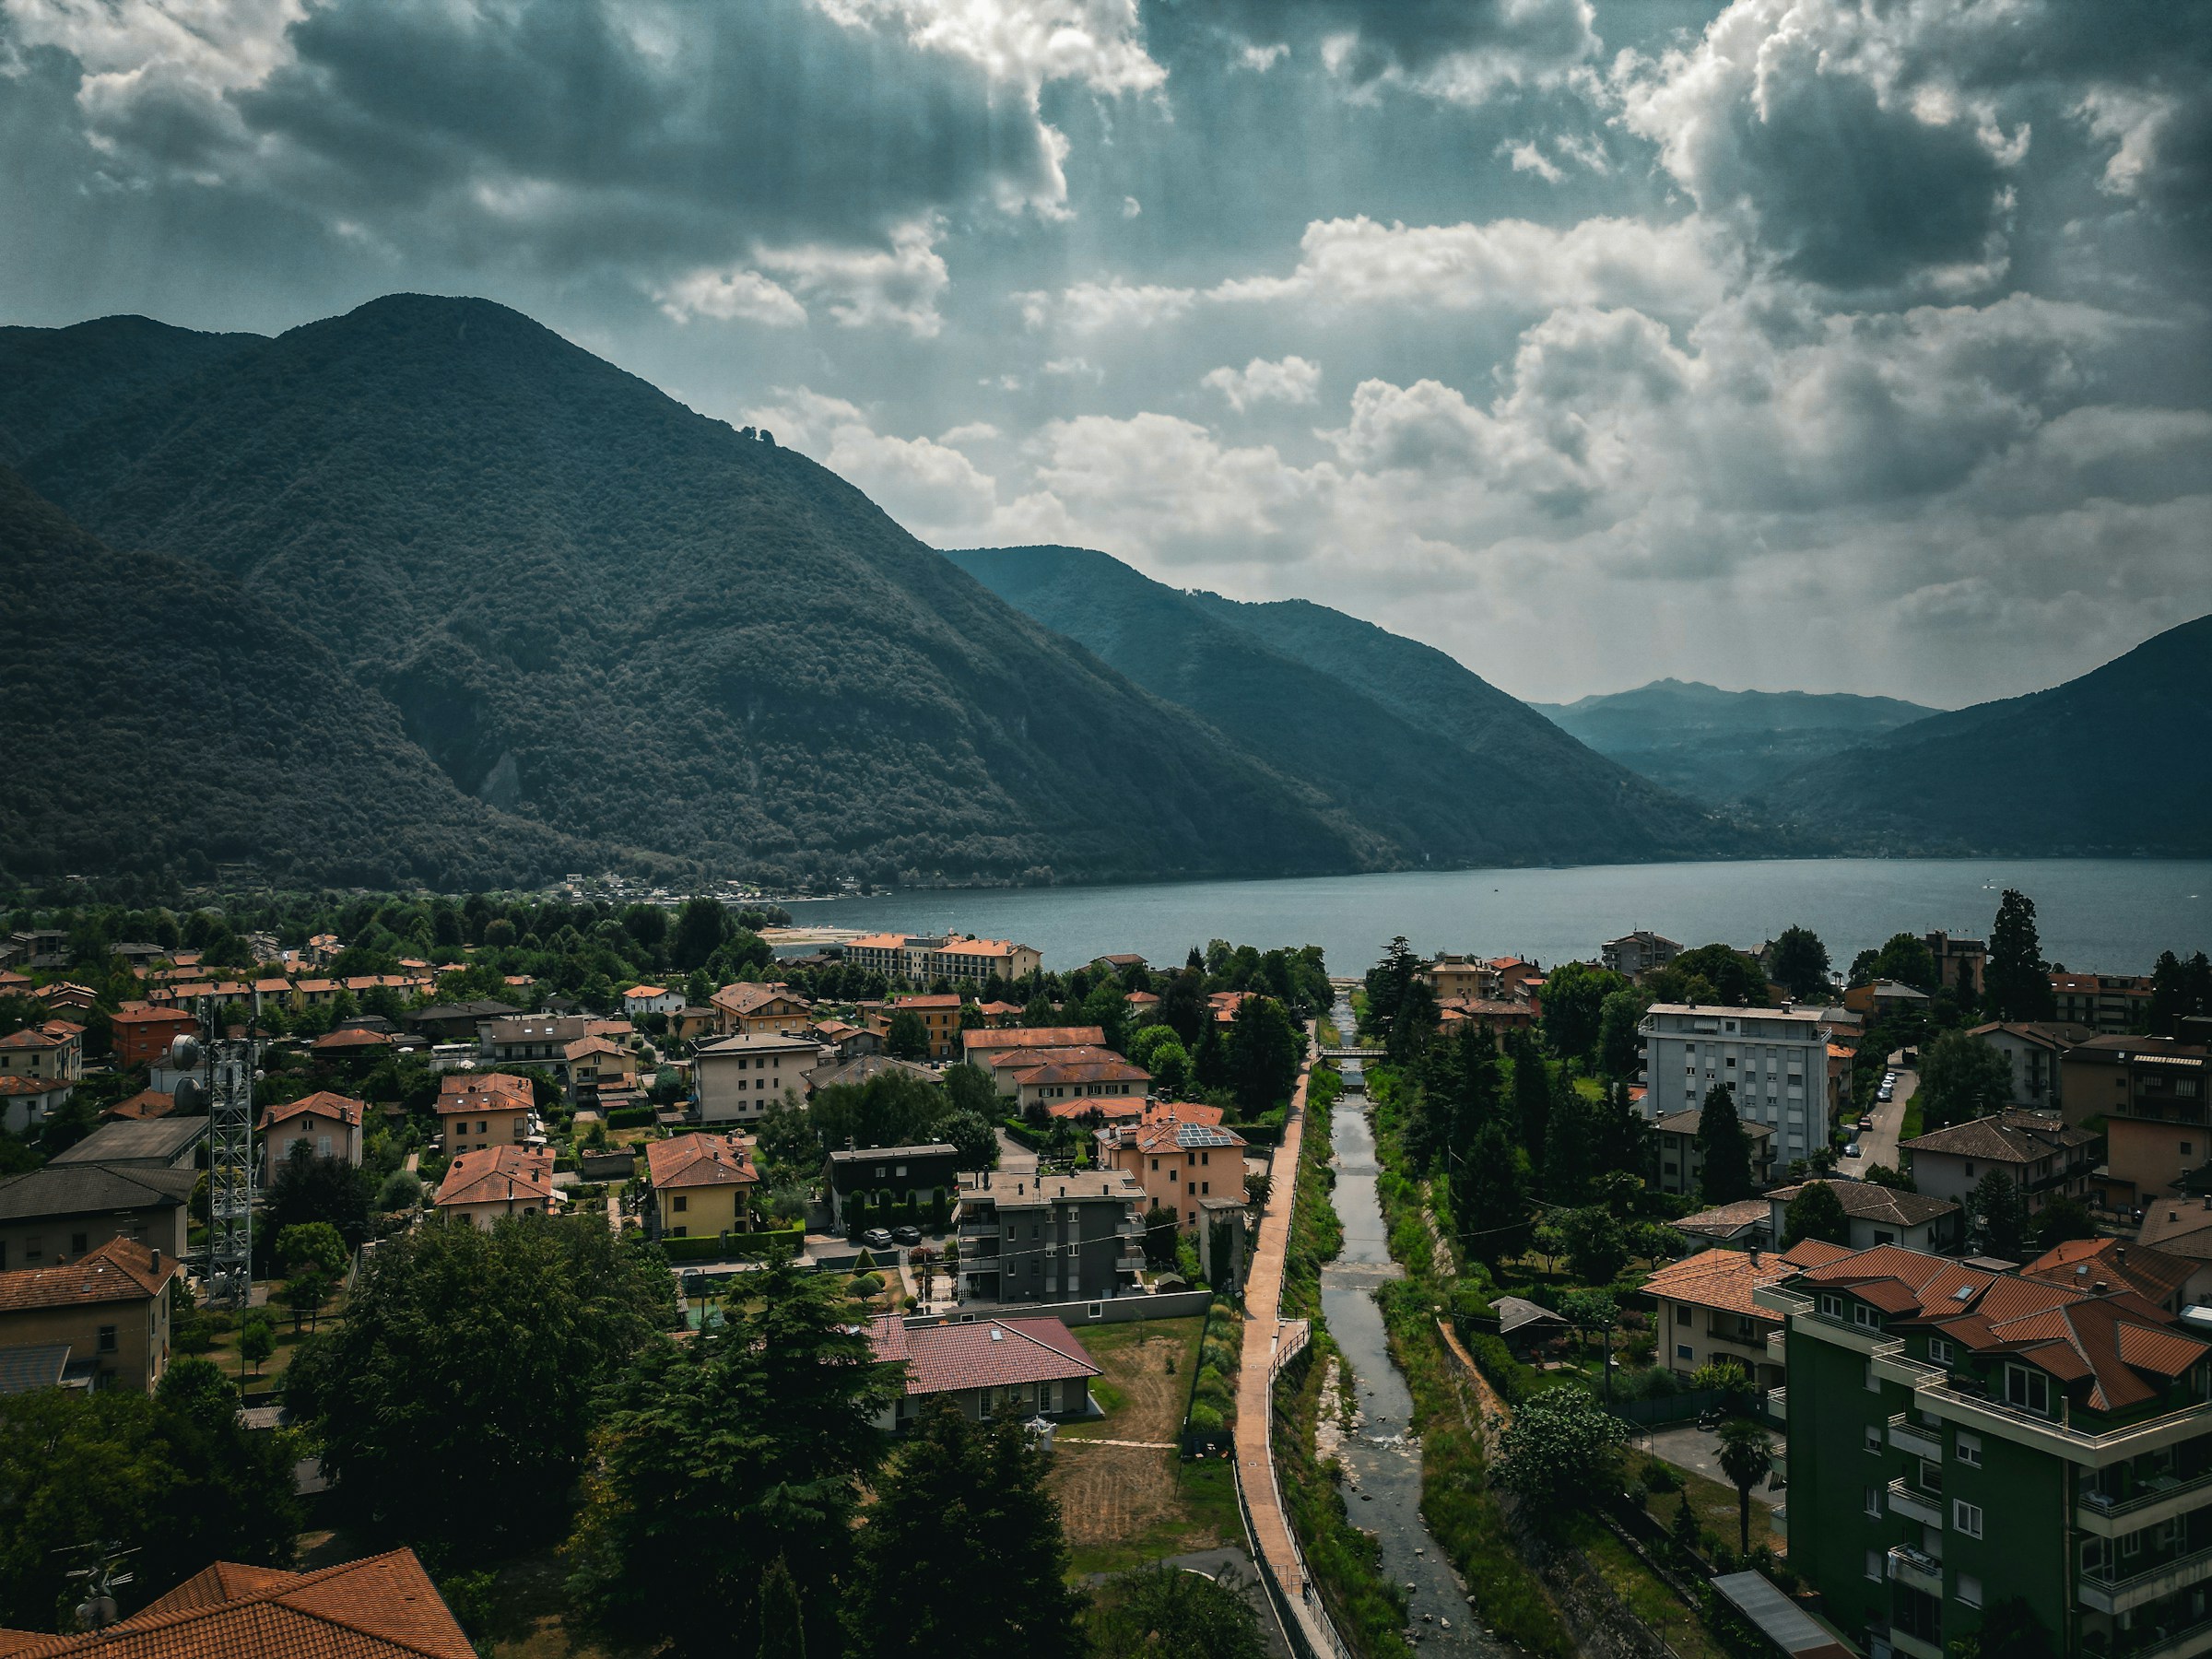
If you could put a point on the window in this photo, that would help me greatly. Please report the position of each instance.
(1966, 1517)
(1873, 1565)
(1874, 1502)
(1874, 1439)
(1832, 1305)
(1939, 1350)
(107, 1339)
(1682, 1316)
(78, 1243)
(682, 1204)
(1969, 1449)
(1968, 1589)
(1682, 1352)
(1865, 1317)
(2030, 1390)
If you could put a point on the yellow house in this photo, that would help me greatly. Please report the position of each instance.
(744, 1010)
(698, 1186)
(103, 1319)
(940, 1016)
(480, 1187)
(594, 1064)
(476, 1110)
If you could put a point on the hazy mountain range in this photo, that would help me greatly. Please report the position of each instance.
(427, 594)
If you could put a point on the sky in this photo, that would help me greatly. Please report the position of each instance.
(1788, 343)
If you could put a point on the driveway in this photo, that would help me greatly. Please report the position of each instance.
(1687, 1446)
(1878, 1144)
(1013, 1157)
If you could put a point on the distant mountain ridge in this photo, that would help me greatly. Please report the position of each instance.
(1720, 746)
(1395, 733)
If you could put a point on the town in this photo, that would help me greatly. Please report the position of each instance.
(425, 1256)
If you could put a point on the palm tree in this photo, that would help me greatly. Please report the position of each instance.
(1747, 1458)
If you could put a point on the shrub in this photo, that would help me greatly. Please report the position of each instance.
(867, 1284)
(629, 1117)
(1205, 1417)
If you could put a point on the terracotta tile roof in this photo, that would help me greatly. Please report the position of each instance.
(1172, 1135)
(484, 1091)
(1112, 1109)
(944, 999)
(585, 1046)
(351, 1040)
(382, 1607)
(1109, 1070)
(495, 1174)
(2150, 1273)
(699, 1160)
(120, 1270)
(2006, 1138)
(995, 1353)
(146, 1103)
(323, 1103)
(1034, 1036)
(640, 992)
(1867, 1201)
(746, 998)
(1181, 1111)
(1013, 1060)
(1725, 1218)
(31, 1037)
(1724, 1279)
(150, 1015)
(14, 1085)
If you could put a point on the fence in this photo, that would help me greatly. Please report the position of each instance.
(1113, 1310)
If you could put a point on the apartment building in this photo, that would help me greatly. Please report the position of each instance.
(941, 1017)
(1636, 954)
(960, 957)
(1705, 1308)
(1178, 1164)
(477, 1111)
(1958, 963)
(1776, 1060)
(738, 1078)
(1959, 1439)
(1025, 1237)
(2038, 1152)
(2035, 1052)
(2113, 1003)
(2155, 1096)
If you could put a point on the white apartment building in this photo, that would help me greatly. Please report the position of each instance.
(1776, 1058)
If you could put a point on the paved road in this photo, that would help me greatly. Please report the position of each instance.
(1878, 1144)
(1014, 1157)
(1687, 1446)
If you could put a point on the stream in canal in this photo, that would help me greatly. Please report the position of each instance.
(1381, 1457)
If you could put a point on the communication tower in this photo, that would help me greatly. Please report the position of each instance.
(226, 1065)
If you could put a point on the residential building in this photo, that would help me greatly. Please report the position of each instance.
(1884, 997)
(1032, 1366)
(52, 1051)
(2155, 1097)
(1457, 977)
(1703, 1312)
(737, 1078)
(146, 1103)
(1747, 1224)
(1880, 1215)
(143, 1035)
(689, 1024)
(356, 1045)
(2043, 1156)
(1958, 963)
(327, 1125)
(1633, 955)
(53, 1216)
(940, 1016)
(1095, 1111)
(746, 1010)
(1961, 1438)
(1100, 1072)
(458, 1022)
(531, 1038)
(698, 1186)
(1682, 1163)
(165, 1143)
(641, 1000)
(2182, 1227)
(1176, 1163)
(1776, 1059)
(110, 1307)
(481, 1110)
(27, 1101)
(891, 1178)
(2112, 1003)
(2034, 1053)
(382, 1607)
(36, 947)
(851, 1041)
(1025, 1237)
(831, 1073)
(486, 1184)
(961, 958)
(983, 1045)
(597, 1065)
(2101, 1264)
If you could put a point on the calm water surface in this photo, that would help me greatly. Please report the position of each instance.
(2110, 916)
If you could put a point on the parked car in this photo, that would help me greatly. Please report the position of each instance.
(1866, 1123)
(875, 1238)
(1852, 1150)
(907, 1235)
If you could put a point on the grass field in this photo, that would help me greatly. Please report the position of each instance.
(1123, 1506)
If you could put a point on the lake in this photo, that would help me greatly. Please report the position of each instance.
(2096, 915)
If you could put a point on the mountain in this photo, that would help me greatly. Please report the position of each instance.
(1398, 736)
(160, 720)
(2113, 762)
(1718, 746)
(54, 379)
(607, 615)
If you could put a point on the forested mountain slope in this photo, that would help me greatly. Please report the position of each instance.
(1453, 770)
(601, 612)
(2112, 762)
(157, 720)
(54, 379)
(1717, 745)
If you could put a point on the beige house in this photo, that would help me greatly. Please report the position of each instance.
(1056, 1082)
(595, 1064)
(740, 1078)
(744, 1010)
(698, 1186)
(108, 1312)
(55, 1215)
(50, 1051)
(328, 1125)
(1704, 1310)
(482, 1186)
(28, 1100)
(477, 1111)
(641, 1000)
(1177, 1164)
(983, 1044)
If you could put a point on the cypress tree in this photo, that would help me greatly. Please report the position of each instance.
(2015, 981)
(1724, 1148)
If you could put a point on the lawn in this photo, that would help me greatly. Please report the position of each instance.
(225, 1351)
(1650, 1601)
(1123, 1506)
(1712, 1503)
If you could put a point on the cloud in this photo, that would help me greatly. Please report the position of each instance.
(1090, 307)
(1292, 380)
(731, 296)
(1027, 42)
(1527, 157)
(1462, 50)
(929, 486)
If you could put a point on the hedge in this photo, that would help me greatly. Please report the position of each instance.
(731, 1247)
(629, 1117)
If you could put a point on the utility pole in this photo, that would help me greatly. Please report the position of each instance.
(226, 1069)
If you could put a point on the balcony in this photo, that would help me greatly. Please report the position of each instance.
(1919, 1647)
(2114, 1588)
(2147, 1506)
(1778, 1345)
(1778, 1405)
(2187, 1644)
(1909, 1436)
(1913, 1567)
(1908, 1499)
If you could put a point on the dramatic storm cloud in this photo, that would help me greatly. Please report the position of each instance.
(1779, 342)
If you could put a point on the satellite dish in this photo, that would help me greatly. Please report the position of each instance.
(189, 1100)
(184, 1052)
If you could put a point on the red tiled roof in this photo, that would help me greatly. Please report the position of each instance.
(494, 1174)
(120, 1270)
(1034, 1036)
(146, 1103)
(1725, 1278)
(2151, 1274)
(323, 1102)
(1110, 1069)
(995, 1353)
(382, 1607)
(484, 1091)
(150, 1015)
(351, 1040)
(699, 1160)
(1106, 1108)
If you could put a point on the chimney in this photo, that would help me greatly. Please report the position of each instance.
(2120, 1254)
(2101, 1286)
(157, 1259)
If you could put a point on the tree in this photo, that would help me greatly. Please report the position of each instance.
(256, 1339)
(1386, 985)
(891, 1109)
(1724, 1147)
(1183, 1008)
(783, 1620)
(478, 1354)
(702, 927)
(1998, 1216)
(908, 1038)
(1574, 999)
(1161, 1609)
(788, 1144)
(1619, 1043)
(1171, 1070)
(2064, 1218)
(1264, 1051)
(1559, 1453)
(1904, 957)
(1597, 1250)
(963, 1550)
(1962, 1079)
(1163, 1234)
(305, 1293)
(1747, 1458)
(1710, 973)
(1816, 1213)
(1798, 963)
(2178, 989)
(971, 1138)
(1532, 1093)
(716, 1456)
(1489, 1196)
(314, 1244)
(1882, 1175)
(1566, 1145)
(970, 1089)
(308, 1189)
(2016, 982)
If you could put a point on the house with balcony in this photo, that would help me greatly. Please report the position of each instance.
(1026, 1237)
(2155, 1097)
(1705, 1310)
(2041, 1155)
(1959, 1438)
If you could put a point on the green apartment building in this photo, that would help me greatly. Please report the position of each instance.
(1960, 1436)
